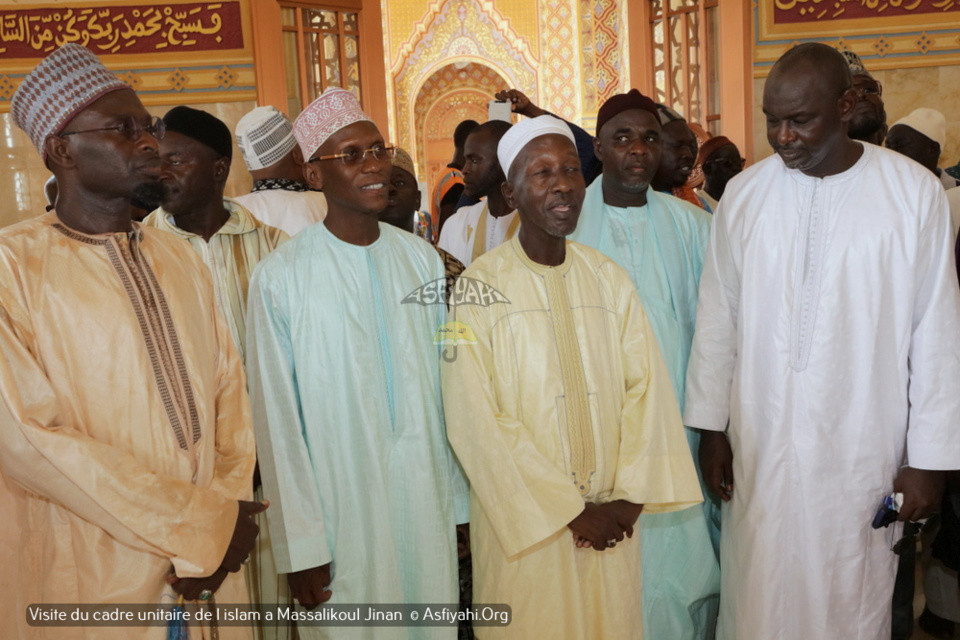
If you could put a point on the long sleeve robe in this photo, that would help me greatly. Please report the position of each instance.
(125, 434)
(828, 334)
(563, 400)
(345, 384)
(231, 254)
(661, 246)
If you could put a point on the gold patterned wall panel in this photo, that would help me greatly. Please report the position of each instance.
(602, 53)
(405, 17)
(456, 31)
(568, 56)
(560, 59)
(454, 84)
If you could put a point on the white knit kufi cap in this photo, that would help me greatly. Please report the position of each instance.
(517, 137)
(67, 81)
(265, 137)
(335, 109)
(929, 122)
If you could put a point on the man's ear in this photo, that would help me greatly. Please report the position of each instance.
(313, 176)
(848, 103)
(58, 152)
(596, 148)
(506, 188)
(221, 169)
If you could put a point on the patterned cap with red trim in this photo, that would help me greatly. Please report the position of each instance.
(335, 109)
(67, 81)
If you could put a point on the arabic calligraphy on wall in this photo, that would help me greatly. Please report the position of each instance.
(887, 34)
(790, 11)
(165, 28)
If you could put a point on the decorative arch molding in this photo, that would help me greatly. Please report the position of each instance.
(445, 117)
(457, 31)
(478, 81)
(442, 117)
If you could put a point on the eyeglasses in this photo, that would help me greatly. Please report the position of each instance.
(870, 88)
(131, 128)
(356, 156)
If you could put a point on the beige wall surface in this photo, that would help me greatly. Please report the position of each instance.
(22, 173)
(903, 91)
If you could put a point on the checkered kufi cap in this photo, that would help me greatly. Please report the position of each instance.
(67, 81)
(403, 160)
(265, 137)
(335, 109)
(668, 115)
(855, 63)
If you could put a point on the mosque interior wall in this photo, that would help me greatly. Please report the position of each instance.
(444, 59)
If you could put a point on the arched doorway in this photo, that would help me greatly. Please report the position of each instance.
(453, 93)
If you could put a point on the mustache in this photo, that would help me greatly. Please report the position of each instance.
(148, 195)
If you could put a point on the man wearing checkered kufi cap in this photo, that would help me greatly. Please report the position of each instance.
(345, 381)
(869, 120)
(125, 436)
(280, 197)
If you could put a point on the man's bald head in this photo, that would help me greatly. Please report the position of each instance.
(494, 128)
(482, 174)
(808, 102)
(825, 62)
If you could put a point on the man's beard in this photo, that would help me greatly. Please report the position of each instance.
(148, 195)
(864, 128)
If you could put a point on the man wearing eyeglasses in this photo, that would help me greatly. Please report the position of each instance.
(869, 120)
(345, 385)
(125, 435)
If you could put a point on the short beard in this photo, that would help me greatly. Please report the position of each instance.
(148, 195)
(864, 129)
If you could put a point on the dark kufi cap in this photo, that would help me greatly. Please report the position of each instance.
(202, 127)
(711, 145)
(621, 102)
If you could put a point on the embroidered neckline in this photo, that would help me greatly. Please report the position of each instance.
(280, 183)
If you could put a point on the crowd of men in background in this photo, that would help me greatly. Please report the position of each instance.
(623, 404)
